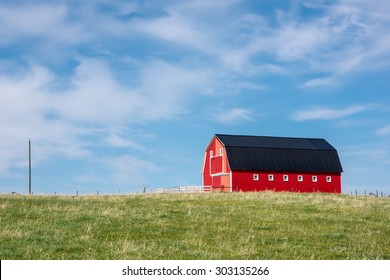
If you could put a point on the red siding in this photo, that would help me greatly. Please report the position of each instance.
(243, 181)
(216, 165)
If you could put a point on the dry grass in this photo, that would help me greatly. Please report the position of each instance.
(195, 226)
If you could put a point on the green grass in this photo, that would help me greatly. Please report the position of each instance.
(195, 226)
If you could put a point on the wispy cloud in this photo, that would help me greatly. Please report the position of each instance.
(130, 170)
(233, 115)
(319, 82)
(320, 113)
(364, 153)
(384, 130)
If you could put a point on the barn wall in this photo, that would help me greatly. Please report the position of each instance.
(221, 183)
(243, 181)
(217, 165)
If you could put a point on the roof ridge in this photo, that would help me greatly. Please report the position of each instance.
(268, 136)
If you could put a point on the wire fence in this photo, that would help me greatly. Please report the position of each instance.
(376, 193)
(208, 189)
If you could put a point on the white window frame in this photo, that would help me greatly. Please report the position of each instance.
(255, 177)
(211, 154)
(300, 178)
(329, 179)
(285, 178)
(314, 178)
(270, 177)
(221, 151)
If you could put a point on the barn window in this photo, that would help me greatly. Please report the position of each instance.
(314, 178)
(211, 153)
(328, 179)
(255, 177)
(285, 178)
(300, 178)
(221, 151)
(270, 177)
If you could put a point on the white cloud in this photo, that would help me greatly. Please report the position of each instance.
(38, 21)
(375, 153)
(123, 138)
(162, 91)
(327, 113)
(24, 111)
(233, 115)
(129, 170)
(384, 130)
(167, 89)
(320, 82)
(96, 97)
(60, 122)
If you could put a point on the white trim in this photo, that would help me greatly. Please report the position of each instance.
(329, 179)
(231, 180)
(285, 178)
(204, 167)
(219, 174)
(314, 178)
(300, 178)
(271, 177)
(255, 177)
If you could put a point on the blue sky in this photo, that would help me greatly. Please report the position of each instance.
(118, 95)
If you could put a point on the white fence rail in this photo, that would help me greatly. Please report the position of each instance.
(184, 189)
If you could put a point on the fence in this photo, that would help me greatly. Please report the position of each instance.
(368, 193)
(184, 189)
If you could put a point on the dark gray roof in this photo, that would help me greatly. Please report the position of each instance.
(280, 154)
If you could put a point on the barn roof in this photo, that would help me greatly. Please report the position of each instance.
(280, 154)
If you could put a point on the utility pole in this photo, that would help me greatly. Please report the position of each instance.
(29, 166)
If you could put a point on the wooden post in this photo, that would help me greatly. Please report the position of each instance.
(29, 166)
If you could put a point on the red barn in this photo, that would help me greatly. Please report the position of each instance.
(234, 163)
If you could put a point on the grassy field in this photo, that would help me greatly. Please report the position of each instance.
(195, 226)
